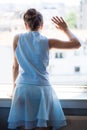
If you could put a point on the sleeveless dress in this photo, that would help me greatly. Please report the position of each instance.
(34, 103)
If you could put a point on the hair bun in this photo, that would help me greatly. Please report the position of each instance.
(31, 13)
(33, 18)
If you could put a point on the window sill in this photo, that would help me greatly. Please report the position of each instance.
(65, 103)
(70, 97)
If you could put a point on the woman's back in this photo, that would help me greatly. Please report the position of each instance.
(32, 53)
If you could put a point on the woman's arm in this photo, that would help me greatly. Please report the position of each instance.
(15, 68)
(73, 40)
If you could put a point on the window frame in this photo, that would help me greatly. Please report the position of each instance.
(65, 103)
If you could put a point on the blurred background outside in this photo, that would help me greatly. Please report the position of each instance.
(68, 68)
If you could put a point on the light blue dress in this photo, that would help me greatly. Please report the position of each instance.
(34, 103)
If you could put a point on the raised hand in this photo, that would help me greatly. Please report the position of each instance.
(60, 23)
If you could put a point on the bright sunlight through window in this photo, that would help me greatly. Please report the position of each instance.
(68, 68)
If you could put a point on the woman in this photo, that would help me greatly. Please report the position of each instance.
(35, 104)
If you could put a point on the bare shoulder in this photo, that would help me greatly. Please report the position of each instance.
(53, 42)
(15, 41)
(50, 43)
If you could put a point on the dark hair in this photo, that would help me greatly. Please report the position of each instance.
(33, 18)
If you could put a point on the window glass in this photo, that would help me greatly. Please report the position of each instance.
(67, 68)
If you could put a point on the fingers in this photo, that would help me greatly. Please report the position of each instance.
(59, 21)
(62, 20)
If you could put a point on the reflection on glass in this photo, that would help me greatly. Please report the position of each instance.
(68, 69)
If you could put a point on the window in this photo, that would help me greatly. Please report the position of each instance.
(68, 69)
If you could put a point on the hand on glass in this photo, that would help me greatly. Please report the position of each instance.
(60, 23)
